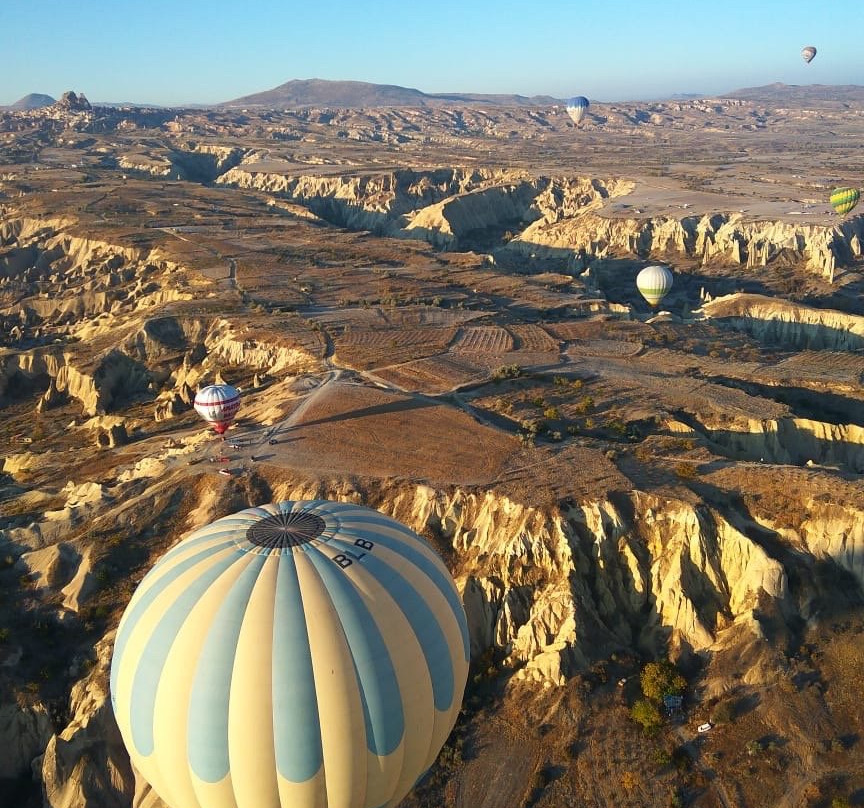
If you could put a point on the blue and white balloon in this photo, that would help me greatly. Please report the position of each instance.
(297, 654)
(576, 108)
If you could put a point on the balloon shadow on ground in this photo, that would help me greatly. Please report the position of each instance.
(368, 412)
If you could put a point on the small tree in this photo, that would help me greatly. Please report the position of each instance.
(723, 713)
(660, 679)
(647, 714)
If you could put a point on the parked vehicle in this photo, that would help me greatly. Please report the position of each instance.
(704, 727)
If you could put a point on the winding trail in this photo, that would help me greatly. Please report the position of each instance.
(710, 776)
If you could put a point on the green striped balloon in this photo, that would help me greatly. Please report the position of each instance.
(654, 283)
(844, 199)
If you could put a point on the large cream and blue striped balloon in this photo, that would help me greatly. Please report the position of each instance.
(654, 283)
(294, 655)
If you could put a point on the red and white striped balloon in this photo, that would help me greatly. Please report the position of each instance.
(218, 405)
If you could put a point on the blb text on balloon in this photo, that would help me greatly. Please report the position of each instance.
(347, 558)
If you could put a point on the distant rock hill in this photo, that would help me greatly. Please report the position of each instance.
(33, 101)
(322, 93)
(801, 93)
(74, 103)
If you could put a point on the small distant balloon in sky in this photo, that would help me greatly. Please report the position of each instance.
(808, 53)
(576, 108)
(844, 199)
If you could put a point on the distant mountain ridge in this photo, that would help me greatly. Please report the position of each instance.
(785, 93)
(323, 93)
(300, 93)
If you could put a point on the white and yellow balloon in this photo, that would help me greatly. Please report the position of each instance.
(297, 654)
(654, 283)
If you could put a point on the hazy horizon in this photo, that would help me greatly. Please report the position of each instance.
(179, 53)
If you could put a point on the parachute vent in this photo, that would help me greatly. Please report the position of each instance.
(286, 530)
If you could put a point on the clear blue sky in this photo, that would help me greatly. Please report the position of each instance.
(179, 51)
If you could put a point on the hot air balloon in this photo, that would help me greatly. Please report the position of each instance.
(292, 655)
(844, 199)
(654, 283)
(576, 108)
(808, 53)
(217, 405)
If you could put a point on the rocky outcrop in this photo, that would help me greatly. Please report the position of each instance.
(24, 732)
(109, 378)
(550, 215)
(782, 322)
(437, 206)
(717, 238)
(70, 102)
(50, 398)
(796, 441)
(227, 344)
(110, 436)
(51, 567)
(87, 764)
(204, 162)
(539, 201)
(168, 405)
(556, 590)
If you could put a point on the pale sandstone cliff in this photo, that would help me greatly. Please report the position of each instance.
(101, 296)
(86, 763)
(783, 322)
(552, 215)
(718, 238)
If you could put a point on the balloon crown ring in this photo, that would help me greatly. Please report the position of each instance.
(286, 530)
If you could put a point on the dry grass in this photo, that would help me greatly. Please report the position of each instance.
(363, 431)
(488, 339)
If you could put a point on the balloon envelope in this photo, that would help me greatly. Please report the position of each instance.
(654, 283)
(808, 53)
(844, 199)
(294, 655)
(218, 405)
(576, 108)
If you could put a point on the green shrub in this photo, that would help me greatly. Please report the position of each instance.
(659, 679)
(647, 714)
(506, 372)
(585, 404)
(723, 713)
